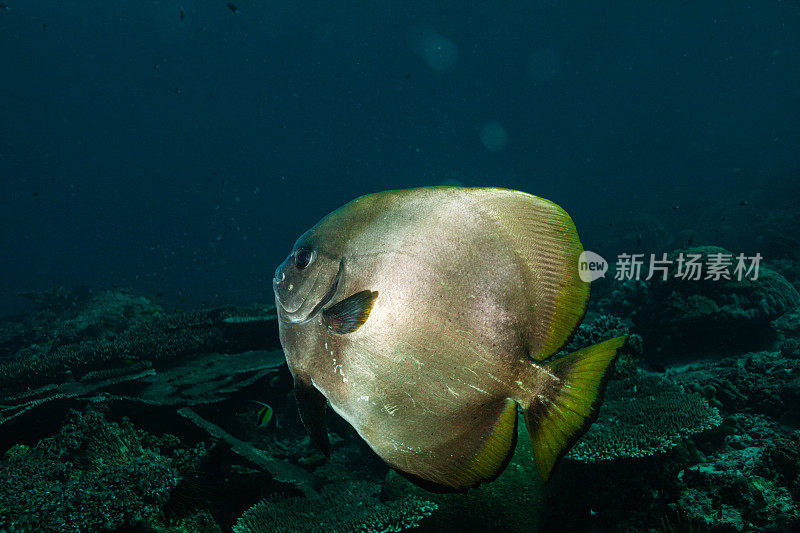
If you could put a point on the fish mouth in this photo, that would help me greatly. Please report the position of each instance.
(331, 292)
(287, 309)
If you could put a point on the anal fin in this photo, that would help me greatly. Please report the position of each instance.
(477, 454)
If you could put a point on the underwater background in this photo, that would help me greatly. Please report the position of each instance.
(159, 158)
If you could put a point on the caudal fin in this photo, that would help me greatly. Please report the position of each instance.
(559, 417)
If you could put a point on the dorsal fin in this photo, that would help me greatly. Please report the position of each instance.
(546, 242)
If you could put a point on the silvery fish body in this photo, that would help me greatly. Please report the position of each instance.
(424, 315)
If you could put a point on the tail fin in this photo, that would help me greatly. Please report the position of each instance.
(559, 417)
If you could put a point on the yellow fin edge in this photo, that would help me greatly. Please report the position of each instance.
(557, 419)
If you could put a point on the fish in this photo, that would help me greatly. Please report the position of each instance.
(233, 8)
(426, 317)
(265, 415)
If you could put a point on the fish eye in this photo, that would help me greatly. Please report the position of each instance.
(303, 257)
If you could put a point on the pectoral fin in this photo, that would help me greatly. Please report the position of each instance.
(349, 314)
(312, 404)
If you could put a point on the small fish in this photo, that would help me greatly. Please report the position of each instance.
(182, 15)
(426, 317)
(265, 415)
(639, 239)
(4, 6)
(232, 7)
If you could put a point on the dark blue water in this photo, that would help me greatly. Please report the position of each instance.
(183, 156)
(158, 159)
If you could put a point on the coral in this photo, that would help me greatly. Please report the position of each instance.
(137, 361)
(280, 470)
(343, 507)
(205, 378)
(680, 523)
(646, 456)
(747, 485)
(790, 349)
(641, 416)
(93, 475)
(790, 269)
(161, 337)
(739, 476)
(20, 404)
(199, 522)
(146, 341)
(68, 317)
(604, 327)
(788, 326)
(759, 382)
(106, 314)
(676, 316)
(601, 328)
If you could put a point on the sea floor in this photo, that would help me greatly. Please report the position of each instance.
(116, 415)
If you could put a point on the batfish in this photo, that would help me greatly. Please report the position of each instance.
(426, 317)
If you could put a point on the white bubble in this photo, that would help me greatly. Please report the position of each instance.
(494, 137)
(439, 52)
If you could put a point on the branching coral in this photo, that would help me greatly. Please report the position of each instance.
(604, 327)
(93, 475)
